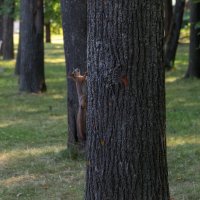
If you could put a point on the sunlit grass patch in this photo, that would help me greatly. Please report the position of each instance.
(18, 180)
(184, 35)
(171, 79)
(8, 157)
(174, 141)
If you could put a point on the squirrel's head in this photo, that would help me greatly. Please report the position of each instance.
(76, 75)
(76, 72)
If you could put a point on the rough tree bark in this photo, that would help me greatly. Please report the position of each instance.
(8, 23)
(74, 19)
(32, 47)
(48, 32)
(126, 101)
(171, 43)
(168, 13)
(194, 55)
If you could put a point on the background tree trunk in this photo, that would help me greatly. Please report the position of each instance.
(32, 47)
(168, 13)
(194, 56)
(171, 43)
(48, 32)
(126, 101)
(8, 22)
(74, 18)
(1, 25)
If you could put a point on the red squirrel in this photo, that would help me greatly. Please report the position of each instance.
(80, 81)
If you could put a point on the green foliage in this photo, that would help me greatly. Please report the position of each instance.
(17, 9)
(195, 1)
(186, 18)
(52, 14)
(8, 8)
(197, 25)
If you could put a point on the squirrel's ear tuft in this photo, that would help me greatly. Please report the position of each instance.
(77, 70)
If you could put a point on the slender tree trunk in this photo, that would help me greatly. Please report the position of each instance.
(168, 16)
(1, 25)
(194, 56)
(8, 23)
(171, 43)
(126, 101)
(48, 32)
(32, 47)
(1, 20)
(74, 18)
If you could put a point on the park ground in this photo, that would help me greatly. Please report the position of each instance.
(34, 162)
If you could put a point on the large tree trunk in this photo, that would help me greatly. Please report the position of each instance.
(74, 17)
(126, 101)
(8, 23)
(171, 43)
(48, 32)
(168, 13)
(32, 47)
(194, 57)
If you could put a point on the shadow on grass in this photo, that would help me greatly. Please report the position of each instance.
(48, 172)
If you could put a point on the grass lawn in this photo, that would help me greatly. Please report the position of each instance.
(34, 163)
(183, 130)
